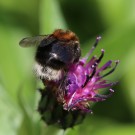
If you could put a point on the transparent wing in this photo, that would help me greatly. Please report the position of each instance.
(32, 41)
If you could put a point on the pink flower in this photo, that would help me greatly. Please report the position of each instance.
(84, 81)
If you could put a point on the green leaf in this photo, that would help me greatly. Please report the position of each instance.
(128, 80)
(18, 6)
(72, 131)
(10, 114)
(51, 17)
(16, 62)
(15, 76)
(103, 126)
(117, 12)
(116, 130)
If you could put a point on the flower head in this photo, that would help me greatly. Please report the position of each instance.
(84, 80)
(67, 101)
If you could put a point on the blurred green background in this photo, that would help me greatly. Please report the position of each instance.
(114, 20)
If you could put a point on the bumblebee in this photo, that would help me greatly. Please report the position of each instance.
(55, 53)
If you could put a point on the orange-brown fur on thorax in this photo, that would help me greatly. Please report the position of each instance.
(66, 35)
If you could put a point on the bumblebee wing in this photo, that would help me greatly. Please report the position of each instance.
(32, 41)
